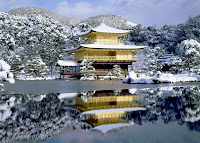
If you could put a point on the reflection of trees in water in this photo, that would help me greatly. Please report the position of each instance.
(179, 104)
(33, 118)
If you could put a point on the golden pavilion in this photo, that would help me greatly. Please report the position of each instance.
(105, 47)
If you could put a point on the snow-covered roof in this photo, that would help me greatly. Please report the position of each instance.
(108, 127)
(107, 29)
(102, 28)
(112, 46)
(114, 110)
(64, 63)
(95, 46)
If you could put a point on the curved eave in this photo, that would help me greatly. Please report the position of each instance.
(112, 47)
(113, 110)
(108, 127)
(71, 50)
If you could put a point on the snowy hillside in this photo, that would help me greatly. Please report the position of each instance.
(110, 20)
(66, 21)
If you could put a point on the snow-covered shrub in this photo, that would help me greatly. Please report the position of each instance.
(87, 70)
(150, 73)
(157, 74)
(131, 76)
(5, 73)
(117, 70)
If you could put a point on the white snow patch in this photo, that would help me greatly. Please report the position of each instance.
(5, 73)
(192, 119)
(133, 90)
(4, 66)
(131, 24)
(162, 78)
(5, 114)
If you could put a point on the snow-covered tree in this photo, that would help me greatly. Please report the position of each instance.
(152, 63)
(17, 65)
(117, 71)
(5, 73)
(87, 70)
(36, 67)
(37, 35)
(74, 39)
(189, 50)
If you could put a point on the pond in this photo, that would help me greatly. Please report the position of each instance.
(95, 112)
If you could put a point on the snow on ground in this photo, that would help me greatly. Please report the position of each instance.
(161, 78)
(46, 77)
(88, 78)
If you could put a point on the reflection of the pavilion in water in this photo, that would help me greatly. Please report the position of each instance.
(104, 110)
(40, 117)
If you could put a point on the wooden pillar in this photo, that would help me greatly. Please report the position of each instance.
(63, 72)
(75, 71)
(60, 72)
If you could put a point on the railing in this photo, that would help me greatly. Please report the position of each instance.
(101, 72)
(100, 58)
(105, 42)
(103, 58)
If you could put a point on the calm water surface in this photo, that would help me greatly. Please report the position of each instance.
(94, 112)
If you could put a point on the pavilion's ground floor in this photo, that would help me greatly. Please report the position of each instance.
(102, 68)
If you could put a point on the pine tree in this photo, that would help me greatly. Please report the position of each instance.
(17, 65)
(87, 70)
(36, 67)
(189, 50)
(152, 63)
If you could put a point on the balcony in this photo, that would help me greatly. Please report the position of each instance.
(107, 58)
(105, 42)
(100, 58)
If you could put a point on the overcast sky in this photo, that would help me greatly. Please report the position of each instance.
(145, 12)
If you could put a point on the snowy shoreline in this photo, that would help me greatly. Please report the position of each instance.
(133, 78)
